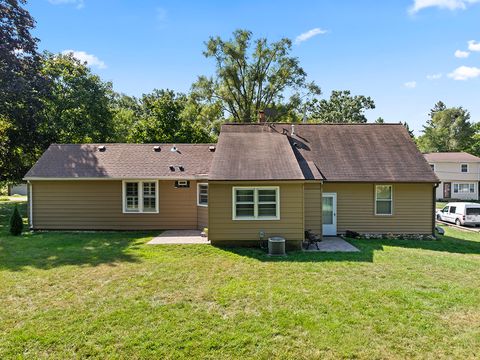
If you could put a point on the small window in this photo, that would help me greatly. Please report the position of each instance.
(256, 203)
(140, 197)
(383, 200)
(202, 194)
(453, 209)
(464, 168)
(182, 184)
(432, 166)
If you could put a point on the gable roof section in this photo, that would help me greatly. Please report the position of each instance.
(338, 152)
(122, 161)
(451, 157)
(254, 156)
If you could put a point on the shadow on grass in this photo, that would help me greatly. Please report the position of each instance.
(45, 250)
(447, 244)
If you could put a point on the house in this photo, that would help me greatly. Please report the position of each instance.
(17, 189)
(459, 173)
(259, 180)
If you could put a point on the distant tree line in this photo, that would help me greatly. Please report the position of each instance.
(54, 98)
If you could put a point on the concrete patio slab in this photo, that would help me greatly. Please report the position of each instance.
(179, 237)
(333, 244)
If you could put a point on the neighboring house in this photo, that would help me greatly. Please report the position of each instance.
(263, 180)
(459, 173)
(17, 189)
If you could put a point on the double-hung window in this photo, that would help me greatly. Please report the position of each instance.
(140, 196)
(383, 200)
(202, 194)
(256, 203)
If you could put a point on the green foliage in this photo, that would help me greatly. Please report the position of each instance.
(410, 132)
(448, 129)
(21, 85)
(380, 120)
(474, 148)
(340, 108)
(78, 108)
(16, 222)
(252, 76)
(163, 117)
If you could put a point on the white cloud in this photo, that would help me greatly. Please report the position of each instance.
(410, 84)
(461, 54)
(464, 73)
(441, 4)
(161, 14)
(79, 4)
(90, 59)
(434, 76)
(309, 34)
(473, 45)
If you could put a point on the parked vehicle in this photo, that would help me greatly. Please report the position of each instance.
(460, 213)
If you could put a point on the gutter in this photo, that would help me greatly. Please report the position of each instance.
(434, 203)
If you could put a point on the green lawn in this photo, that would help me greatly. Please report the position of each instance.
(108, 295)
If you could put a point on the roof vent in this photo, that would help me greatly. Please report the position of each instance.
(102, 148)
(211, 148)
(172, 168)
(174, 149)
(156, 148)
(181, 168)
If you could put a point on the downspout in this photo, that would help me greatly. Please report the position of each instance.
(434, 203)
(30, 204)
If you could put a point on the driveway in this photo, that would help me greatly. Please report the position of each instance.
(179, 237)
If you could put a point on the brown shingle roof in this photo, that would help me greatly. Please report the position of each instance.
(123, 161)
(451, 157)
(339, 152)
(254, 156)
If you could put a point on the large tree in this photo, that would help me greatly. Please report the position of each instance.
(162, 119)
(21, 87)
(78, 108)
(253, 75)
(448, 129)
(342, 107)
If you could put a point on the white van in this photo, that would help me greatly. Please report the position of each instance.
(460, 213)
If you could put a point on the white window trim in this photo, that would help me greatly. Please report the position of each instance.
(140, 196)
(255, 202)
(464, 183)
(391, 200)
(198, 194)
(461, 166)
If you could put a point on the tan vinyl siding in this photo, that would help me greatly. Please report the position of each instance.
(202, 217)
(97, 205)
(412, 208)
(313, 207)
(224, 230)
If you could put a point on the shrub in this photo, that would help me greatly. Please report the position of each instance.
(16, 223)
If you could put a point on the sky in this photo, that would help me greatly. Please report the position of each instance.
(406, 55)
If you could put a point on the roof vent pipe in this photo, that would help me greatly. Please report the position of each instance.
(156, 148)
(174, 149)
(293, 129)
(102, 148)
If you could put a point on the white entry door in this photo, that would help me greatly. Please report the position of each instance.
(329, 214)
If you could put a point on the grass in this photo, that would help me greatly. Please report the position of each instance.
(108, 295)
